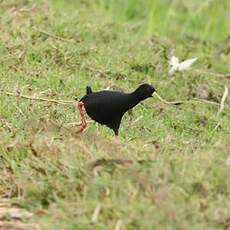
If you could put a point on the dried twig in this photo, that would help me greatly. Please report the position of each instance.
(225, 94)
(119, 225)
(96, 213)
(217, 125)
(219, 75)
(20, 111)
(63, 102)
(77, 123)
(52, 35)
(184, 101)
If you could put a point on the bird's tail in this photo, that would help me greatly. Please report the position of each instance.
(88, 90)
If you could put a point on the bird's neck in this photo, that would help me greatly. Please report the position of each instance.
(133, 100)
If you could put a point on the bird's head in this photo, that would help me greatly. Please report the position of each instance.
(144, 91)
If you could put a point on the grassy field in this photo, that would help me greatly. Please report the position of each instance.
(171, 168)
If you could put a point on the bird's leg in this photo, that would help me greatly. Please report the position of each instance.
(80, 106)
(117, 140)
(116, 137)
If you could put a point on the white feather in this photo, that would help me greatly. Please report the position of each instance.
(175, 65)
(172, 70)
(173, 61)
(186, 64)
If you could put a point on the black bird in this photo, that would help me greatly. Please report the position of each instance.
(108, 107)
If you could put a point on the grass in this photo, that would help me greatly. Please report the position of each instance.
(171, 169)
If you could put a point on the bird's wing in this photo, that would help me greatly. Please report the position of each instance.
(172, 70)
(174, 61)
(104, 102)
(186, 64)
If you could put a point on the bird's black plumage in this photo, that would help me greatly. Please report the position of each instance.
(88, 90)
(108, 107)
